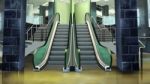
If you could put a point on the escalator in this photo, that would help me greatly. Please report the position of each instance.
(52, 52)
(60, 42)
(91, 51)
(85, 45)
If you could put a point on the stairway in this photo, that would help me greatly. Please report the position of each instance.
(40, 34)
(85, 45)
(104, 35)
(56, 57)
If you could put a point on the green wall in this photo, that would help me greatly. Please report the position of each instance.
(80, 10)
(63, 9)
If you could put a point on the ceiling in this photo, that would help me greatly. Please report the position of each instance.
(100, 2)
(37, 3)
(111, 3)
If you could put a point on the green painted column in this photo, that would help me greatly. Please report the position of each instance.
(80, 10)
(63, 8)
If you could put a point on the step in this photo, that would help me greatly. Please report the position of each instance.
(83, 33)
(82, 29)
(55, 62)
(88, 62)
(57, 52)
(56, 58)
(59, 43)
(84, 43)
(84, 36)
(86, 47)
(58, 47)
(84, 39)
(61, 36)
(87, 52)
(60, 39)
(61, 33)
(88, 57)
(62, 30)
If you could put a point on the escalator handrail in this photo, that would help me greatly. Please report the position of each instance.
(76, 49)
(95, 42)
(68, 49)
(101, 29)
(49, 42)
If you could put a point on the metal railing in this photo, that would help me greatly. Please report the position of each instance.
(96, 44)
(141, 47)
(47, 46)
(103, 33)
(68, 50)
(32, 30)
(75, 46)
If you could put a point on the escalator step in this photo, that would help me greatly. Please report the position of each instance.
(88, 62)
(84, 43)
(56, 62)
(61, 36)
(86, 52)
(57, 53)
(61, 40)
(59, 43)
(84, 39)
(86, 47)
(56, 58)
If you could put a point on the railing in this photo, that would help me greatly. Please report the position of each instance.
(75, 46)
(41, 54)
(69, 47)
(141, 47)
(32, 30)
(102, 53)
(103, 33)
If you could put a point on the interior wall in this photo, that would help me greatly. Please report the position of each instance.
(80, 10)
(63, 8)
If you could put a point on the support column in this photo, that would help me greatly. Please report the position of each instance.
(50, 10)
(14, 35)
(105, 10)
(93, 9)
(1, 28)
(43, 13)
(126, 35)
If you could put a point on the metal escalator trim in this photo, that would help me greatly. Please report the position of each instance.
(70, 46)
(76, 50)
(95, 44)
(68, 50)
(47, 47)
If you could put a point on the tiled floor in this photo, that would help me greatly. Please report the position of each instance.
(91, 76)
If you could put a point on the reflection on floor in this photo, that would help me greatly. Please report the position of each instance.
(91, 76)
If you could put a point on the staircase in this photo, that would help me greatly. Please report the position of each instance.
(56, 58)
(40, 34)
(104, 35)
(85, 45)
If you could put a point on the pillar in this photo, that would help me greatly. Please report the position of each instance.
(14, 35)
(29, 11)
(105, 10)
(1, 28)
(127, 35)
(93, 9)
(50, 10)
(43, 13)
